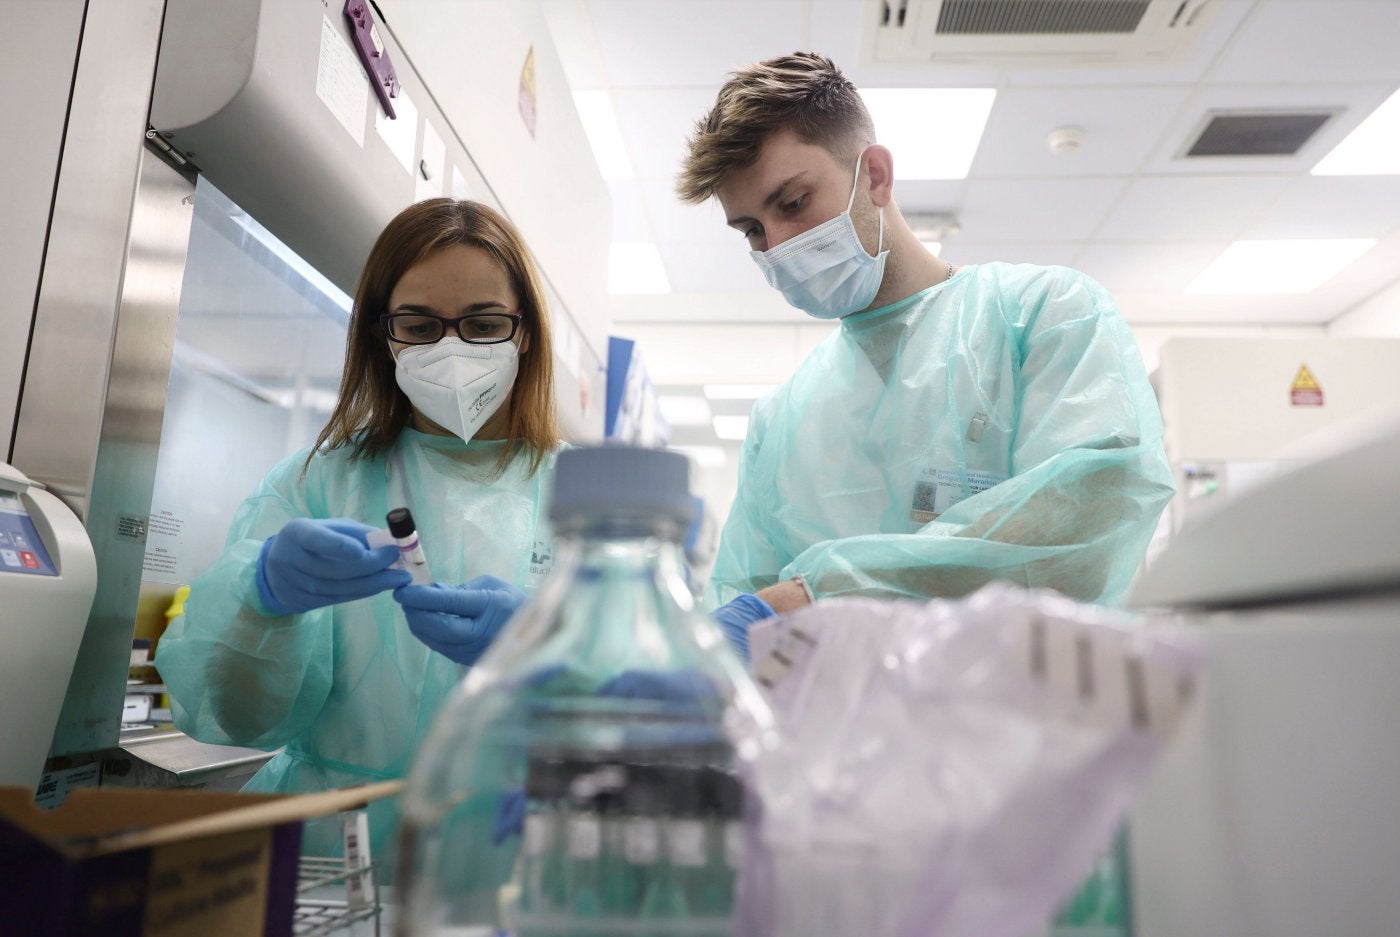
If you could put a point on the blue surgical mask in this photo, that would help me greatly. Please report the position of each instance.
(825, 270)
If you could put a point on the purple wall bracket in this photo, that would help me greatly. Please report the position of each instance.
(372, 53)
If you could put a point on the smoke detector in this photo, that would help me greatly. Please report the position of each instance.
(1065, 140)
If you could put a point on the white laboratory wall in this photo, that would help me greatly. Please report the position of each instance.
(41, 48)
(473, 57)
(1379, 315)
(1230, 399)
(1151, 338)
(728, 353)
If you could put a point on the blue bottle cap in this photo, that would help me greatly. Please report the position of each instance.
(621, 481)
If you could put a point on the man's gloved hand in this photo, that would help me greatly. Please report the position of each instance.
(459, 622)
(736, 617)
(311, 563)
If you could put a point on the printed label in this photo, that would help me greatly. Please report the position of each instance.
(733, 844)
(642, 842)
(585, 837)
(536, 834)
(686, 839)
(939, 489)
(355, 839)
(541, 558)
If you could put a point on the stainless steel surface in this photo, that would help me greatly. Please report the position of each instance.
(40, 57)
(65, 385)
(119, 500)
(239, 88)
(169, 758)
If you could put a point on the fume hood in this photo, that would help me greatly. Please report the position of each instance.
(215, 176)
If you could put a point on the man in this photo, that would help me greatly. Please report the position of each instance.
(962, 425)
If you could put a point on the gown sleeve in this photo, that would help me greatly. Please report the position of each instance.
(237, 674)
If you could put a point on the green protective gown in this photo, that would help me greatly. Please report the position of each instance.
(347, 689)
(999, 425)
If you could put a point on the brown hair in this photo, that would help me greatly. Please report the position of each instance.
(371, 410)
(804, 92)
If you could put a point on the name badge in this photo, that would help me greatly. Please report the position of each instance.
(939, 489)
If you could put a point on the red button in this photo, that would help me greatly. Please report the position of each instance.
(29, 559)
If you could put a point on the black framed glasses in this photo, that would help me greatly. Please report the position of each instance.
(416, 328)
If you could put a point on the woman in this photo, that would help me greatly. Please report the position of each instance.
(293, 636)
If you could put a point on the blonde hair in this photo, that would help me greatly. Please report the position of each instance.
(803, 92)
(371, 410)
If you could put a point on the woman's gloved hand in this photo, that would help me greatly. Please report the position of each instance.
(738, 615)
(312, 563)
(459, 622)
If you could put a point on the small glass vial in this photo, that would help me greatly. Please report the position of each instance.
(405, 534)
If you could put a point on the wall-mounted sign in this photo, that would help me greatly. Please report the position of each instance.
(527, 92)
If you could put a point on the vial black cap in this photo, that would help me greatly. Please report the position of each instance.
(400, 522)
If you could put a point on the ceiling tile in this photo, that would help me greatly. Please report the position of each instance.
(657, 123)
(1141, 266)
(702, 268)
(1117, 138)
(1332, 206)
(1190, 208)
(1036, 209)
(630, 221)
(928, 195)
(672, 44)
(1326, 41)
(959, 251)
(674, 220)
(751, 307)
(571, 30)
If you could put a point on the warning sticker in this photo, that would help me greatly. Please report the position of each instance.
(1306, 391)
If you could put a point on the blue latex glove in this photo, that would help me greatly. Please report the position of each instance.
(459, 622)
(510, 816)
(736, 617)
(312, 563)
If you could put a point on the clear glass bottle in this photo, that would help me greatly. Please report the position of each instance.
(589, 727)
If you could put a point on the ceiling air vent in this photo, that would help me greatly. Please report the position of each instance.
(1030, 33)
(1256, 133)
(1039, 17)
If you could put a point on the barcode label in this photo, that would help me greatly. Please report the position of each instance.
(355, 838)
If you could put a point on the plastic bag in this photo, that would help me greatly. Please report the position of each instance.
(949, 768)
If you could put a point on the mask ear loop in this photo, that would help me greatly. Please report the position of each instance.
(850, 203)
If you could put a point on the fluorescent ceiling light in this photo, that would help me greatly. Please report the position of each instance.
(737, 391)
(1372, 149)
(934, 247)
(932, 132)
(705, 456)
(595, 109)
(1265, 267)
(731, 427)
(635, 267)
(685, 411)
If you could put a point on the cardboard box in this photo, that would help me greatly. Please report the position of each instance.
(117, 862)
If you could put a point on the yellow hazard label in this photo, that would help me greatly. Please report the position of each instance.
(1304, 380)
